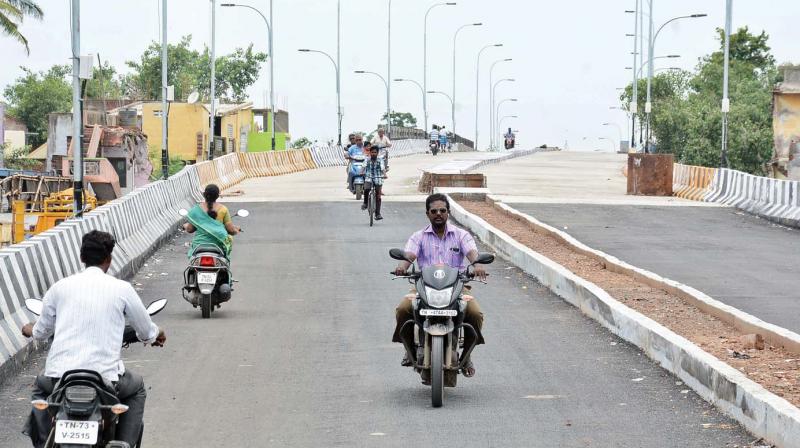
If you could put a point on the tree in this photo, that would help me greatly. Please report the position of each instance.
(104, 83)
(34, 96)
(401, 119)
(687, 121)
(188, 70)
(301, 143)
(12, 13)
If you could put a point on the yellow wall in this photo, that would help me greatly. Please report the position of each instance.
(241, 121)
(185, 121)
(786, 122)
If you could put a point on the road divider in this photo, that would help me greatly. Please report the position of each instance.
(763, 413)
(691, 182)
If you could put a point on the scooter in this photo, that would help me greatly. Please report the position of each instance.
(434, 147)
(438, 323)
(208, 281)
(357, 173)
(85, 406)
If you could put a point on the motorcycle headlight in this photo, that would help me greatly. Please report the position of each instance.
(438, 298)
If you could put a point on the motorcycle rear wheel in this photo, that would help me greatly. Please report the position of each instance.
(437, 371)
(205, 305)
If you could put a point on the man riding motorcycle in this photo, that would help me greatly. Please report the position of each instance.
(85, 314)
(382, 142)
(440, 243)
(357, 149)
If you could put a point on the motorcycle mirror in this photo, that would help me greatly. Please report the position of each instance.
(398, 254)
(34, 306)
(484, 258)
(243, 213)
(183, 212)
(156, 306)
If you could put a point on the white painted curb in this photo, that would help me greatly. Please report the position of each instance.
(764, 414)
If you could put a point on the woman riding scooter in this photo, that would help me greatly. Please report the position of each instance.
(211, 223)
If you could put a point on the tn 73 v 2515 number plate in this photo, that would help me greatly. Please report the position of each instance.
(450, 313)
(73, 432)
(207, 278)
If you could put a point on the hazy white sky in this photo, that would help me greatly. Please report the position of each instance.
(569, 56)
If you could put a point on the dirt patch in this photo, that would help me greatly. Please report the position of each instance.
(775, 368)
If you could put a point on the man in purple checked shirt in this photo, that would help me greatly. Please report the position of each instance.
(441, 243)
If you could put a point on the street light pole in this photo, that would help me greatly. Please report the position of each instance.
(213, 78)
(338, 88)
(389, 75)
(494, 95)
(619, 129)
(425, 61)
(338, 64)
(271, 116)
(449, 98)
(726, 102)
(648, 105)
(164, 108)
(634, 106)
(455, 37)
(385, 83)
(500, 123)
(477, 90)
(497, 110)
(491, 100)
(611, 140)
(77, 125)
(421, 91)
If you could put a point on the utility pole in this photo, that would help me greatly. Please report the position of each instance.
(270, 25)
(77, 109)
(338, 68)
(726, 102)
(164, 88)
(213, 79)
(389, 76)
(634, 106)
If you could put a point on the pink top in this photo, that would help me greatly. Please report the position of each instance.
(431, 250)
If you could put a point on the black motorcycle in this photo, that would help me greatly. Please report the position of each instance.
(208, 280)
(434, 147)
(438, 323)
(84, 406)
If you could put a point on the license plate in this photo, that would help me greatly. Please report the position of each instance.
(451, 313)
(76, 432)
(207, 278)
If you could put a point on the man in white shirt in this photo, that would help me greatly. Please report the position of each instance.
(434, 135)
(85, 314)
(382, 142)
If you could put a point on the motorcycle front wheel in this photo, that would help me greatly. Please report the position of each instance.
(359, 192)
(437, 371)
(205, 305)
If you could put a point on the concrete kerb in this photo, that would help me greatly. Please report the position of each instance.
(764, 414)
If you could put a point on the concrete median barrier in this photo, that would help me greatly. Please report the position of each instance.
(692, 182)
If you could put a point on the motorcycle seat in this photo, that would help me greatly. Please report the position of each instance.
(87, 376)
(208, 249)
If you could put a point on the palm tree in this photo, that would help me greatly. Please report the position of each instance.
(12, 13)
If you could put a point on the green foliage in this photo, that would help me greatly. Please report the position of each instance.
(12, 14)
(17, 159)
(175, 163)
(301, 143)
(33, 96)
(401, 119)
(188, 70)
(687, 121)
(105, 83)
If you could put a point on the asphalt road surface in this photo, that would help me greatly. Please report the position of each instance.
(736, 258)
(301, 356)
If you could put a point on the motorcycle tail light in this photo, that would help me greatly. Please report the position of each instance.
(207, 261)
(40, 404)
(81, 394)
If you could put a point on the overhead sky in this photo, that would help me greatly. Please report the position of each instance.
(569, 56)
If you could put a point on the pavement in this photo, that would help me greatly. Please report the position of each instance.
(301, 355)
(330, 184)
(570, 177)
(736, 258)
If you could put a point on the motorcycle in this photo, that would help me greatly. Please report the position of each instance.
(438, 322)
(356, 172)
(434, 147)
(509, 143)
(84, 406)
(208, 280)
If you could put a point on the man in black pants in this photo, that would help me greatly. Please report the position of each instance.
(91, 308)
(374, 172)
